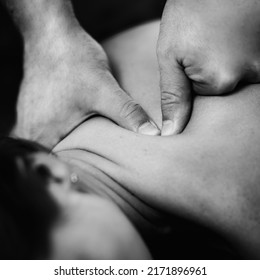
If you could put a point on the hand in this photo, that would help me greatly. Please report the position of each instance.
(209, 47)
(67, 79)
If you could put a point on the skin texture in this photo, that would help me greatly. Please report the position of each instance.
(207, 47)
(67, 77)
(208, 174)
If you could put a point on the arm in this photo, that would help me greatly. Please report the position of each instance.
(34, 18)
(66, 76)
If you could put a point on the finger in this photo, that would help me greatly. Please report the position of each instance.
(175, 98)
(117, 105)
(216, 79)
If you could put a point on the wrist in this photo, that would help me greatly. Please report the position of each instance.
(43, 18)
(56, 44)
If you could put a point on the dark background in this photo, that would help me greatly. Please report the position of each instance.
(101, 18)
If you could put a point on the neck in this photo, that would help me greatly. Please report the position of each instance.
(92, 178)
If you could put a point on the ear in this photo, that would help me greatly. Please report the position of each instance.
(50, 169)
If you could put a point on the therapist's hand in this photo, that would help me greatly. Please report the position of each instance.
(208, 47)
(67, 79)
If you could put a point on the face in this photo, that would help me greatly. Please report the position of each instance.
(89, 226)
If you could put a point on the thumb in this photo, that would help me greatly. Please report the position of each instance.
(117, 105)
(175, 98)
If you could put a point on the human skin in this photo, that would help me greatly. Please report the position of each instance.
(88, 225)
(67, 77)
(208, 174)
(205, 47)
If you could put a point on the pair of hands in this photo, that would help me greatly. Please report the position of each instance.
(205, 46)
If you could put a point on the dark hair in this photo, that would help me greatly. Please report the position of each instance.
(27, 211)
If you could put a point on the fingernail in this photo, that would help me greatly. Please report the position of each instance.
(148, 129)
(167, 128)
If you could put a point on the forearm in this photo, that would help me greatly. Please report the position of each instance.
(37, 18)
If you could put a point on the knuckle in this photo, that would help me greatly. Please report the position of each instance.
(129, 108)
(254, 76)
(215, 83)
(225, 83)
(132, 112)
(170, 99)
